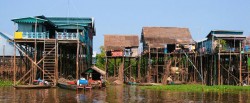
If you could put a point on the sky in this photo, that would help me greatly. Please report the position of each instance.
(129, 16)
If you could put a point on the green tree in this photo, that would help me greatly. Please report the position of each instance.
(100, 59)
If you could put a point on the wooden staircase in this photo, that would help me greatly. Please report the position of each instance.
(49, 62)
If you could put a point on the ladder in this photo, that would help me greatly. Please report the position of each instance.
(49, 61)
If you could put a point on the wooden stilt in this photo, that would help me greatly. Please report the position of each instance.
(106, 66)
(14, 65)
(115, 67)
(219, 77)
(240, 69)
(77, 60)
(157, 67)
(149, 66)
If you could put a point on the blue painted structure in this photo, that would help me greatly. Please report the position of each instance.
(60, 28)
(232, 39)
(7, 44)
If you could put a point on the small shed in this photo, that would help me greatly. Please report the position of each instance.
(94, 72)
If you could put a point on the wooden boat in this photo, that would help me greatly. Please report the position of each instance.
(32, 86)
(64, 85)
(149, 84)
(70, 85)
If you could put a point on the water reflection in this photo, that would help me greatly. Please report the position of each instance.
(116, 94)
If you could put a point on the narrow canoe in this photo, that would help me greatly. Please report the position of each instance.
(32, 86)
(68, 86)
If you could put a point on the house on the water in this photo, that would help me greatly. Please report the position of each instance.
(121, 49)
(159, 44)
(223, 57)
(53, 47)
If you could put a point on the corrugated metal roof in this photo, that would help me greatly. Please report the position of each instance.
(58, 21)
(166, 35)
(224, 32)
(229, 35)
(119, 42)
(29, 20)
(227, 31)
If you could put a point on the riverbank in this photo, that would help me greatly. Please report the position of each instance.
(5, 83)
(198, 88)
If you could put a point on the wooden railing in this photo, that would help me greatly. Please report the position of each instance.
(69, 36)
(31, 35)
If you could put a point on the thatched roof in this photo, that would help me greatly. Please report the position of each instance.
(158, 36)
(119, 42)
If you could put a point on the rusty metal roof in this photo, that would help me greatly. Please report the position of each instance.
(119, 42)
(166, 35)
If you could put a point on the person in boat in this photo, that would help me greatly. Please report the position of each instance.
(169, 80)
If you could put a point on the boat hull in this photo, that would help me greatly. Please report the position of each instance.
(32, 86)
(68, 86)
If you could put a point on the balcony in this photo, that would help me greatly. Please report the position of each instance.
(45, 35)
(69, 36)
(31, 35)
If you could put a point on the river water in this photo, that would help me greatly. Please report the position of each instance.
(117, 94)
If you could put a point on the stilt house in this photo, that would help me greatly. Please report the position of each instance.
(120, 49)
(53, 47)
(222, 57)
(158, 43)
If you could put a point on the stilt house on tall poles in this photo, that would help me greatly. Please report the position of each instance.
(162, 50)
(53, 46)
(222, 55)
(121, 56)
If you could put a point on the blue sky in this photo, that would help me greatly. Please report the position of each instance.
(129, 16)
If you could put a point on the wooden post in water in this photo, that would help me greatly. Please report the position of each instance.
(129, 64)
(219, 64)
(77, 58)
(56, 62)
(4, 56)
(14, 68)
(139, 69)
(35, 55)
(149, 66)
(247, 71)
(201, 68)
(157, 66)
(106, 65)
(115, 67)
(240, 66)
(122, 69)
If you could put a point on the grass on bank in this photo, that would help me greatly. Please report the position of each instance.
(5, 83)
(198, 88)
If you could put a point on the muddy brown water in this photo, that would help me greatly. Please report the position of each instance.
(117, 94)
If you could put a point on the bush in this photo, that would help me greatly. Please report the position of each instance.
(6, 83)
